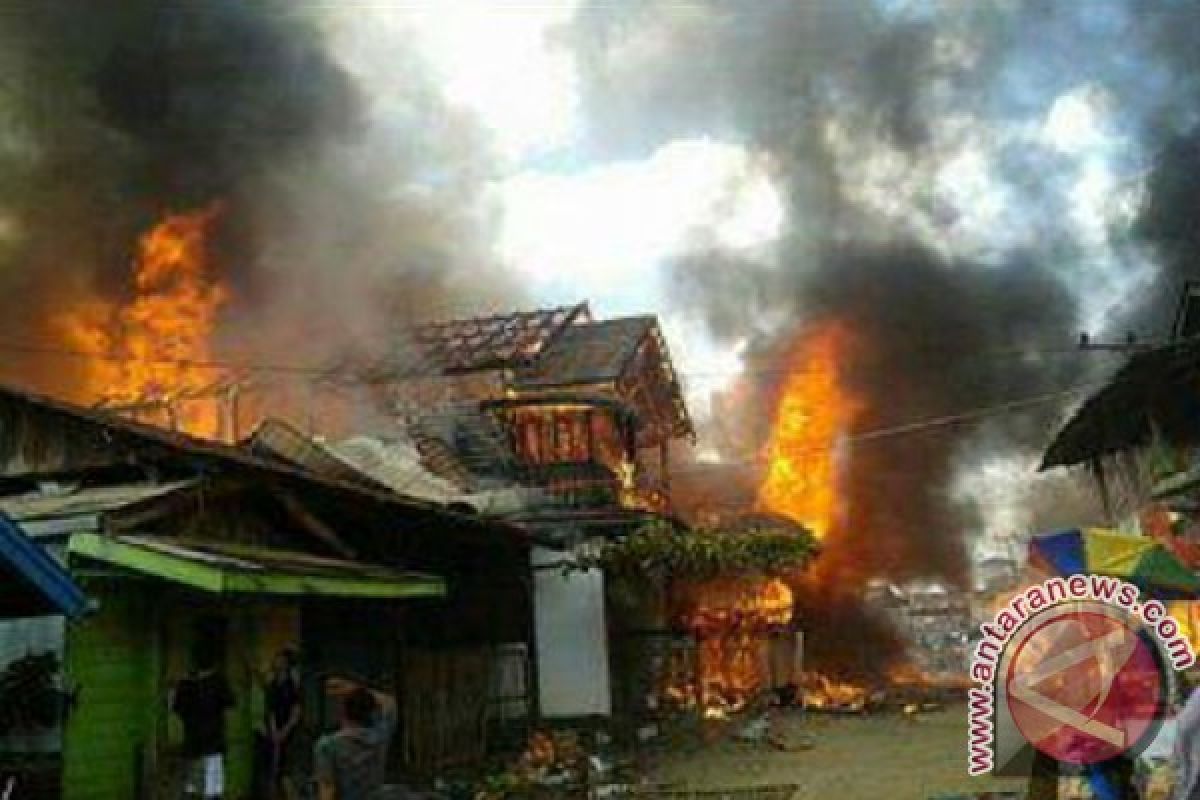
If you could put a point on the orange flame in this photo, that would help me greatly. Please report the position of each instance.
(814, 410)
(148, 350)
(730, 618)
(825, 693)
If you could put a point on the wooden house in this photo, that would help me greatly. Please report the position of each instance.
(250, 549)
(583, 410)
(581, 416)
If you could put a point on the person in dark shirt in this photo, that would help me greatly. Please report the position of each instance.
(200, 701)
(351, 762)
(283, 713)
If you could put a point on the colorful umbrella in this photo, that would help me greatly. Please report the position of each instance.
(1138, 559)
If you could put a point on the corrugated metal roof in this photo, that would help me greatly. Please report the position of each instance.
(277, 440)
(398, 466)
(78, 502)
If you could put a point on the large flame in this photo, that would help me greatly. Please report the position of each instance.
(803, 481)
(813, 412)
(730, 618)
(149, 351)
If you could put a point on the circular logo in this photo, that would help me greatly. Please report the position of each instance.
(1084, 685)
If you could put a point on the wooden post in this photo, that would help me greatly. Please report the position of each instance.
(231, 412)
(1102, 483)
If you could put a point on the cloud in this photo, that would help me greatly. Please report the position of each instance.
(612, 225)
(500, 63)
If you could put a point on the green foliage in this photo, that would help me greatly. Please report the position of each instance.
(660, 552)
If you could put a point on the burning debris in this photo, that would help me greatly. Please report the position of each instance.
(806, 480)
(732, 620)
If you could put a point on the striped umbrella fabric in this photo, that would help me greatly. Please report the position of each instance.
(1139, 560)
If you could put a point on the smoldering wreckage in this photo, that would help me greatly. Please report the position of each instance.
(500, 516)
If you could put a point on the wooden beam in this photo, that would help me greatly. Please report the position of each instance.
(209, 574)
(312, 525)
(184, 500)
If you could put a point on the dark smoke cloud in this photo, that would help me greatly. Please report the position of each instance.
(967, 288)
(1167, 224)
(343, 215)
(936, 337)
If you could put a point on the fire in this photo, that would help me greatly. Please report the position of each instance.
(731, 619)
(907, 674)
(826, 694)
(148, 350)
(814, 410)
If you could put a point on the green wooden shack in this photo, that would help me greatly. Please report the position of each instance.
(174, 538)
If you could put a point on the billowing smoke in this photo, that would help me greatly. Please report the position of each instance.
(967, 184)
(962, 184)
(1167, 223)
(351, 194)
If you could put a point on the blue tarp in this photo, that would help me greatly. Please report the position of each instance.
(32, 583)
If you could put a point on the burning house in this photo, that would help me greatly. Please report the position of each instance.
(572, 421)
(868, 626)
(248, 549)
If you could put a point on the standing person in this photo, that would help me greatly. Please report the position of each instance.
(283, 711)
(200, 700)
(351, 762)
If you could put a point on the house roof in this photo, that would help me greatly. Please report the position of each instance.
(74, 502)
(225, 568)
(503, 341)
(397, 464)
(127, 439)
(32, 583)
(547, 349)
(1155, 392)
(591, 353)
(276, 440)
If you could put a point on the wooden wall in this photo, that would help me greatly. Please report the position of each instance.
(111, 659)
(122, 741)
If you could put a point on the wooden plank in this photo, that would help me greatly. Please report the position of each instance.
(213, 578)
(107, 659)
(314, 526)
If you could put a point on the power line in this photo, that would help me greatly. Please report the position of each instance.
(932, 423)
(434, 415)
(337, 371)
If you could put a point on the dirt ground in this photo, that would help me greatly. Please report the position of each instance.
(875, 757)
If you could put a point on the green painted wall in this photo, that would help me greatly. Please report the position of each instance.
(122, 735)
(110, 657)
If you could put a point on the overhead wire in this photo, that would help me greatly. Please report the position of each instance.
(332, 369)
(885, 432)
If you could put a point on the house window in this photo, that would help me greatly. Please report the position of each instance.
(607, 440)
(530, 438)
(555, 437)
(563, 450)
